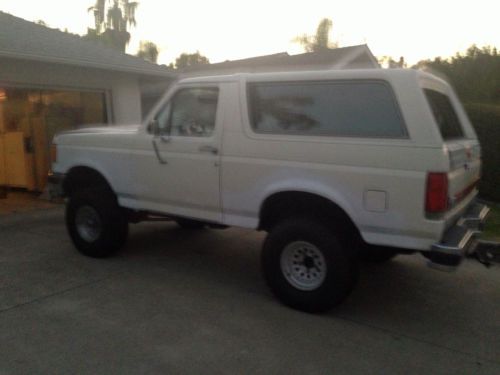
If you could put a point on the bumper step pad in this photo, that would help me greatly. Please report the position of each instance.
(460, 241)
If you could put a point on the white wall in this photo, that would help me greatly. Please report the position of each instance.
(126, 99)
(123, 89)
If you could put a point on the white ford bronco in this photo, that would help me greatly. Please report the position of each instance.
(336, 166)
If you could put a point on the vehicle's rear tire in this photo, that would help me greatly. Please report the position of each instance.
(377, 254)
(306, 266)
(190, 224)
(96, 223)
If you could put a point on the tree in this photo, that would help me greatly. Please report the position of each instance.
(148, 51)
(390, 63)
(99, 10)
(112, 19)
(190, 59)
(475, 75)
(320, 41)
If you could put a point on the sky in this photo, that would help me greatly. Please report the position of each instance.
(231, 29)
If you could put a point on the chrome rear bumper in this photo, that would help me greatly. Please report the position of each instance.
(460, 240)
(475, 217)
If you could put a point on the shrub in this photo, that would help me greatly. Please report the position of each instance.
(486, 121)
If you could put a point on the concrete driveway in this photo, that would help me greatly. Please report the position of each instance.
(177, 301)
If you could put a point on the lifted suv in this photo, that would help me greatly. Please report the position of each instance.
(336, 166)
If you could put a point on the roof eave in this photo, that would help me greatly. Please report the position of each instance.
(86, 64)
(356, 52)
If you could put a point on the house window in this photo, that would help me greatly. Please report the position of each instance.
(29, 119)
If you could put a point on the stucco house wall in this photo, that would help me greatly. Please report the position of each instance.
(122, 89)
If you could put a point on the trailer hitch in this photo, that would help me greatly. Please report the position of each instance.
(486, 252)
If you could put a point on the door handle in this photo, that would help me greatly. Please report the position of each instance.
(210, 149)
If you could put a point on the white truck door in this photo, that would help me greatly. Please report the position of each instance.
(178, 168)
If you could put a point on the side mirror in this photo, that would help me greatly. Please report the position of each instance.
(154, 128)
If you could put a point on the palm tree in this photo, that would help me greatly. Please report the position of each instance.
(114, 17)
(112, 21)
(320, 41)
(129, 9)
(99, 11)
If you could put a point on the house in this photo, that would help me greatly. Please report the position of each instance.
(353, 57)
(52, 81)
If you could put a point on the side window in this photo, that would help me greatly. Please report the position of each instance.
(162, 117)
(444, 114)
(336, 108)
(192, 112)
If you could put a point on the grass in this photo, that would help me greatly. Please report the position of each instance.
(492, 227)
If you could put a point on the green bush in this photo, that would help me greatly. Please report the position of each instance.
(486, 121)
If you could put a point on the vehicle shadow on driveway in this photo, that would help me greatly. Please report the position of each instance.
(230, 256)
(402, 297)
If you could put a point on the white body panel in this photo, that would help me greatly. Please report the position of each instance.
(379, 183)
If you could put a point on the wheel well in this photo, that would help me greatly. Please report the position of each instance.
(282, 205)
(83, 178)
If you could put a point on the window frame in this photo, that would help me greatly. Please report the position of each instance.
(249, 105)
(168, 103)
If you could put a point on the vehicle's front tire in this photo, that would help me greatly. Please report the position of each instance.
(96, 223)
(306, 266)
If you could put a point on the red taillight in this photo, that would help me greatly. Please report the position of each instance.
(436, 196)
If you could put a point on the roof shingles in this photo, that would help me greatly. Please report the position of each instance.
(26, 40)
(328, 57)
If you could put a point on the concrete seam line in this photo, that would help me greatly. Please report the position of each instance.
(39, 299)
(393, 333)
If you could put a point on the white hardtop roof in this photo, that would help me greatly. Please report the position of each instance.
(344, 74)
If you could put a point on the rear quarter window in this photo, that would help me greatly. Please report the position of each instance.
(444, 114)
(340, 108)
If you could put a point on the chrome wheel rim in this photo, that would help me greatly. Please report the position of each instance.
(88, 223)
(303, 265)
